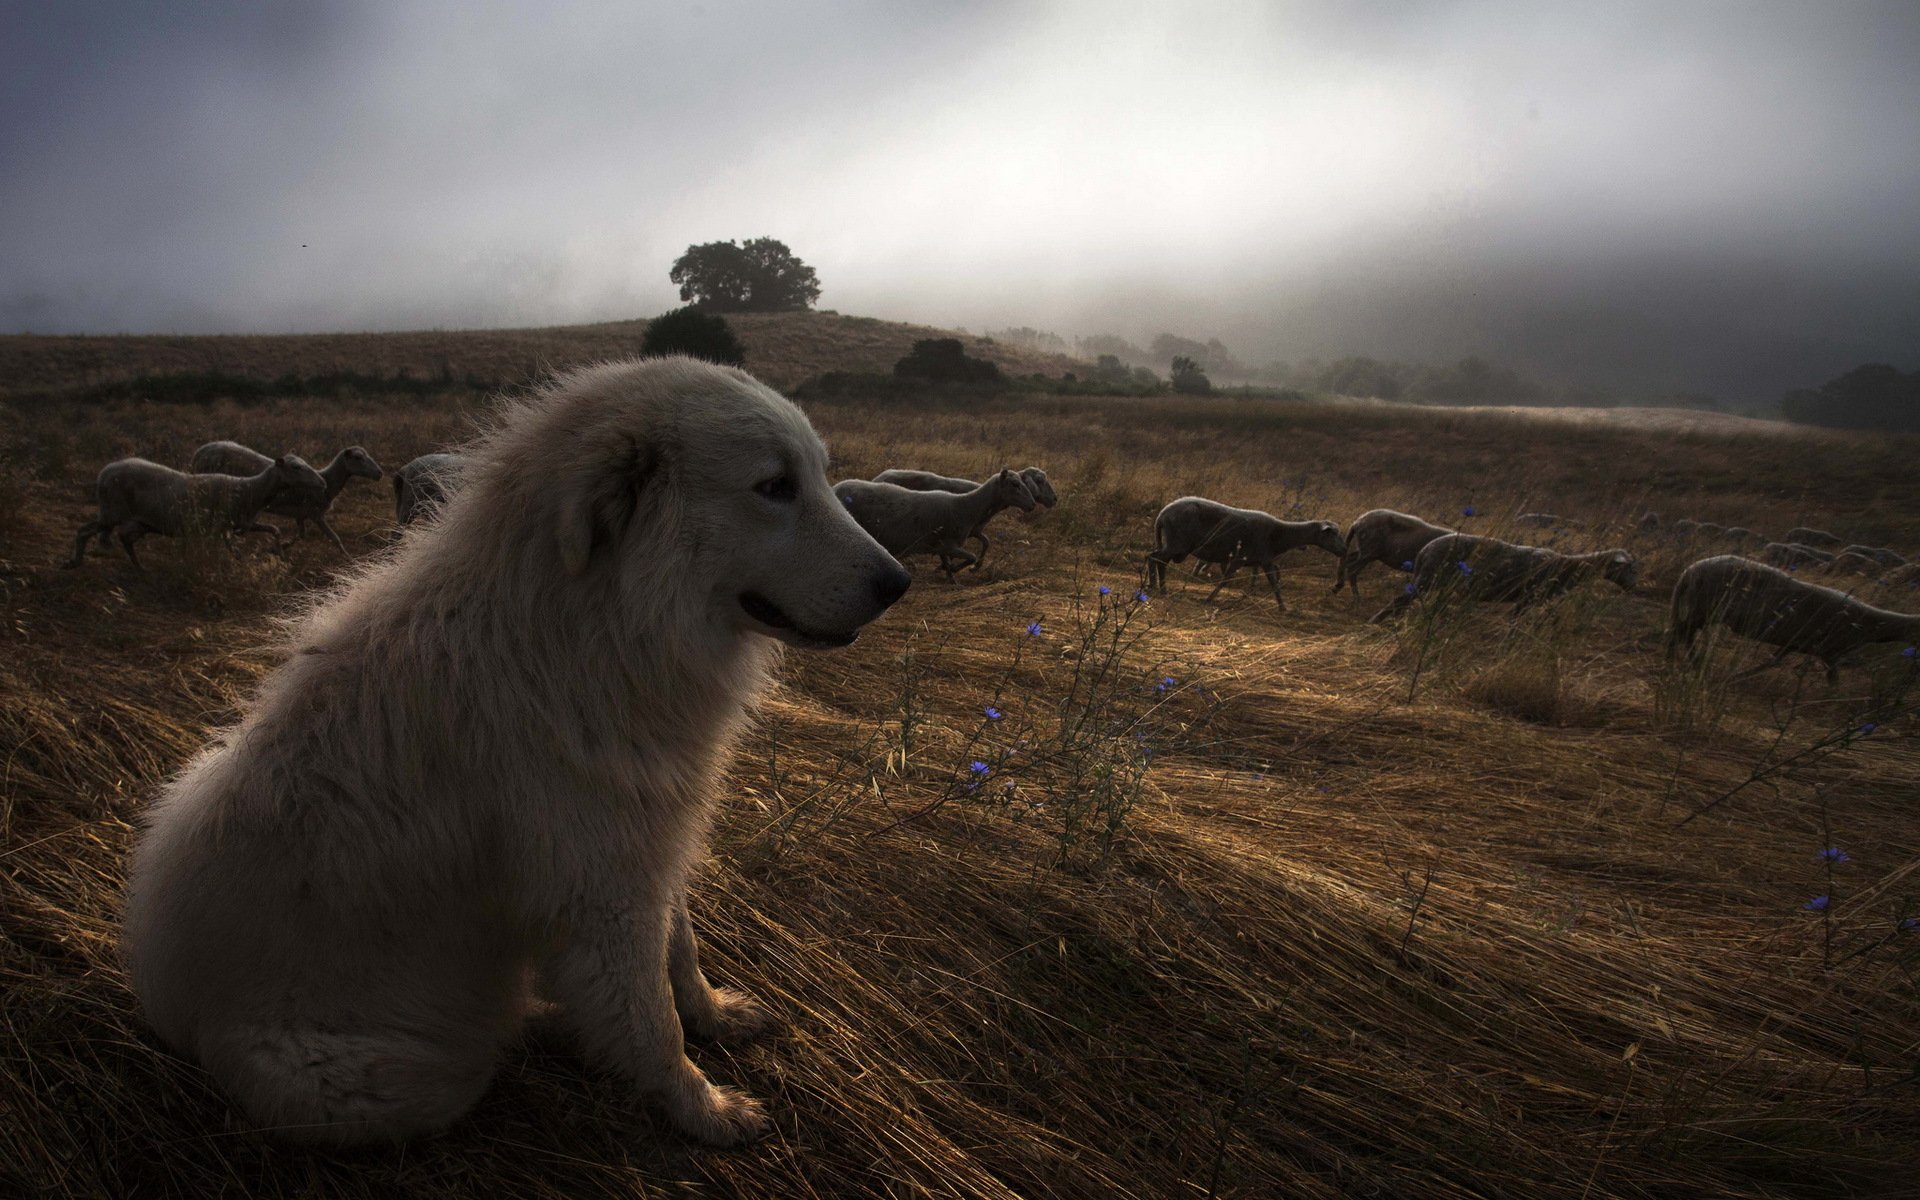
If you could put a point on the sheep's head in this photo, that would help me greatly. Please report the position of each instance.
(1622, 570)
(1326, 535)
(359, 462)
(1009, 489)
(1041, 487)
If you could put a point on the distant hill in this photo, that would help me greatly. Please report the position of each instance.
(782, 348)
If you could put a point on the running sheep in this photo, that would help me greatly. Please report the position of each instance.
(138, 497)
(926, 481)
(1234, 537)
(231, 458)
(1768, 605)
(934, 522)
(1487, 568)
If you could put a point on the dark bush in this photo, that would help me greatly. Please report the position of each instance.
(695, 334)
(944, 360)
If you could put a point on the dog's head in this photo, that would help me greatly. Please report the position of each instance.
(696, 484)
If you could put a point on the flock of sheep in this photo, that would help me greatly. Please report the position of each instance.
(227, 486)
(913, 512)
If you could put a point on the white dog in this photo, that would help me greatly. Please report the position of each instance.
(489, 762)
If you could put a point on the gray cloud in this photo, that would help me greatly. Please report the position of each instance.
(1685, 195)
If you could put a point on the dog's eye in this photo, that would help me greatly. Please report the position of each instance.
(780, 487)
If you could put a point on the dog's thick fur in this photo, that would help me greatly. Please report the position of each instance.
(483, 773)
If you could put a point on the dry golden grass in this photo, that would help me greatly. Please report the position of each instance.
(1346, 943)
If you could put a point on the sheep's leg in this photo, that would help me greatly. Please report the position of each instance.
(328, 530)
(1273, 577)
(1353, 574)
(80, 541)
(1157, 569)
(1401, 603)
(131, 532)
(1231, 569)
(981, 537)
(1340, 573)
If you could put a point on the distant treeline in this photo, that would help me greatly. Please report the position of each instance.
(205, 387)
(1873, 396)
(1471, 380)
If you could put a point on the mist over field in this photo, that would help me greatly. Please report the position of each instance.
(1715, 198)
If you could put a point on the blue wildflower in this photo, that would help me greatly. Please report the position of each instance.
(1033, 629)
(978, 767)
(1867, 728)
(1407, 565)
(1140, 596)
(1818, 903)
(1464, 568)
(993, 714)
(1835, 854)
(1910, 925)
(1907, 653)
(1105, 590)
(1469, 511)
(1410, 589)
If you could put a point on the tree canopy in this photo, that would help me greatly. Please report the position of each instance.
(760, 275)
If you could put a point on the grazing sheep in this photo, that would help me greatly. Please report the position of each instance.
(935, 522)
(1740, 535)
(231, 458)
(1709, 529)
(1768, 605)
(1489, 569)
(1234, 537)
(1684, 527)
(1794, 555)
(1849, 563)
(421, 486)
(1649, 522)
(1907, 576)
(1879, 554)
(1540, 520)
(138, 497)
(1383, 535)
(926, 481)
(1820, 539)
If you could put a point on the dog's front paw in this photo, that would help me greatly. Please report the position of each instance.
(720, 1116)
(732, 1017)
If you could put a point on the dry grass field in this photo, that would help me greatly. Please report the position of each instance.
(1222, 902)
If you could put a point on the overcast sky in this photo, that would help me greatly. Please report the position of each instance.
(1561, 184)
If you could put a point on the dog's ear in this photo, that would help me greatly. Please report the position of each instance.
(601, 502)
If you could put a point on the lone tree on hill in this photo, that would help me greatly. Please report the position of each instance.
(693, 333)
(761, 275)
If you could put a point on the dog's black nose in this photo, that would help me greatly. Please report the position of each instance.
(890, 585)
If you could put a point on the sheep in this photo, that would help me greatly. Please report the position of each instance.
(1235, 537)
(1847, 562)
(421, 485)
(1740, 535)
(138, 497)
(1794, 555)
(1768, 605)
(1879, 554)
(1819, 539)
(926, 481)
(1684, 527)
(1907, 576)
(1709, 529)
(937, 522)
(1541, 520)
(1383, 535)
(1649, 522)
(1489, 569)
(231, 458)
